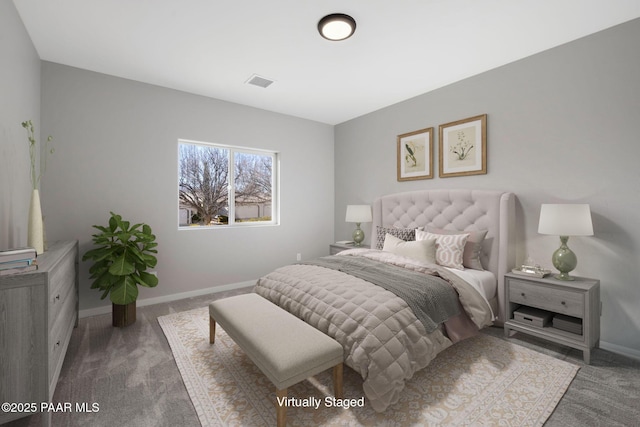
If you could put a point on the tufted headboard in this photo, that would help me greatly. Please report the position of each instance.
(461, 210)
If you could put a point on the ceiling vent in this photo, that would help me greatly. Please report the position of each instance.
(257, 80)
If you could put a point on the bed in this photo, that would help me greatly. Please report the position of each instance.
(354, 297)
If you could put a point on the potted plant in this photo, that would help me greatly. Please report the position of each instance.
(121, 260)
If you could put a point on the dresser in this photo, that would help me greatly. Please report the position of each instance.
(38, 311)
(565, 312)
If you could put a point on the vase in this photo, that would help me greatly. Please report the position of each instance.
(35, 233)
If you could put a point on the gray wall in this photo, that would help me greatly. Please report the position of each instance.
(562, 128)
(117, 151)
(19, 101)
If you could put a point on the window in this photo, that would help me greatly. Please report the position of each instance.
(221, 185)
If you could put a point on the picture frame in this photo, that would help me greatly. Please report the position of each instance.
(463, 147)
(415, 155)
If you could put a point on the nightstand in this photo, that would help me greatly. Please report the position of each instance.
(565, 312)
(334, 248)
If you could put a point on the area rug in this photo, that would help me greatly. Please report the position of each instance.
(481, 381)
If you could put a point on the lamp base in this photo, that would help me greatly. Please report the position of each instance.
(358, 235)
(564, 260)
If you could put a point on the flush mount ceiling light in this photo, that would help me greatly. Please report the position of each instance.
(337, 26)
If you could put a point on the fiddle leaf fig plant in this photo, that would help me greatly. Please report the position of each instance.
(123, 254)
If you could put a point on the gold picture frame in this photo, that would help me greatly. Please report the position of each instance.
(415, 155)
(463, 147)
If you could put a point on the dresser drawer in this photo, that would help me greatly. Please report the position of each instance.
(58, 301)
(59, 334)
(61, 284)
(547, 298)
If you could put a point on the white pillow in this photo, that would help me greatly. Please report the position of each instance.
(449, 248)
(424, 250)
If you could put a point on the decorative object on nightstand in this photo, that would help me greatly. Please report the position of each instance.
(358, 214)
(565, 220)
(531, 268)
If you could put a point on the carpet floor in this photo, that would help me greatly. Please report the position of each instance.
(132, 374)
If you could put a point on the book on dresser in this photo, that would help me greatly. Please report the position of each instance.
(17, 261)
(17, 254)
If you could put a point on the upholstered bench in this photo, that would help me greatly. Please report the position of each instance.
(285, 348)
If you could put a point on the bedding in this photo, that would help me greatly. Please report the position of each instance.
(431, 299)
(484, 281)
(383, 340)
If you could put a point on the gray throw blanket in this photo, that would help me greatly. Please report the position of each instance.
(432, 299)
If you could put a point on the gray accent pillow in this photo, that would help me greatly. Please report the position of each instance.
(406, 234)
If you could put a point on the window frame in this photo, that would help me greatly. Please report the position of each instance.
(233, 149)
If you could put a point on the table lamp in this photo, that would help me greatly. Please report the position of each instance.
(358, 214)
(565, 220)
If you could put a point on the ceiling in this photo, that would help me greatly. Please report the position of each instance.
(400, 49)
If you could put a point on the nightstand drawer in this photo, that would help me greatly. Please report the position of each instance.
(547, 298)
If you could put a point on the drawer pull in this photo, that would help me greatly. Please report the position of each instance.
(563, 303)
(522, 294)
(58, 297)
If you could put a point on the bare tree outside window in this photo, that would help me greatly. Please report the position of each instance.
(253, 195)
(207, 196)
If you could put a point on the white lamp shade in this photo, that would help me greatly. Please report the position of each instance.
(565, 220)
(358, 213)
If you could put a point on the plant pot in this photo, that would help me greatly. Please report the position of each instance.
(123, 315)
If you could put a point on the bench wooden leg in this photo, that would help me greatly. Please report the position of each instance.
(281, 410)
(212, 330)
(337, 380)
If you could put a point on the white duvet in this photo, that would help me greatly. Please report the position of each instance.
(382, 339)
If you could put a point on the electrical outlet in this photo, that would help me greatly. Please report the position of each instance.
(299, 257)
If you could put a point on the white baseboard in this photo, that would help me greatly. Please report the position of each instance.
(618, 349)
(167, 298)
